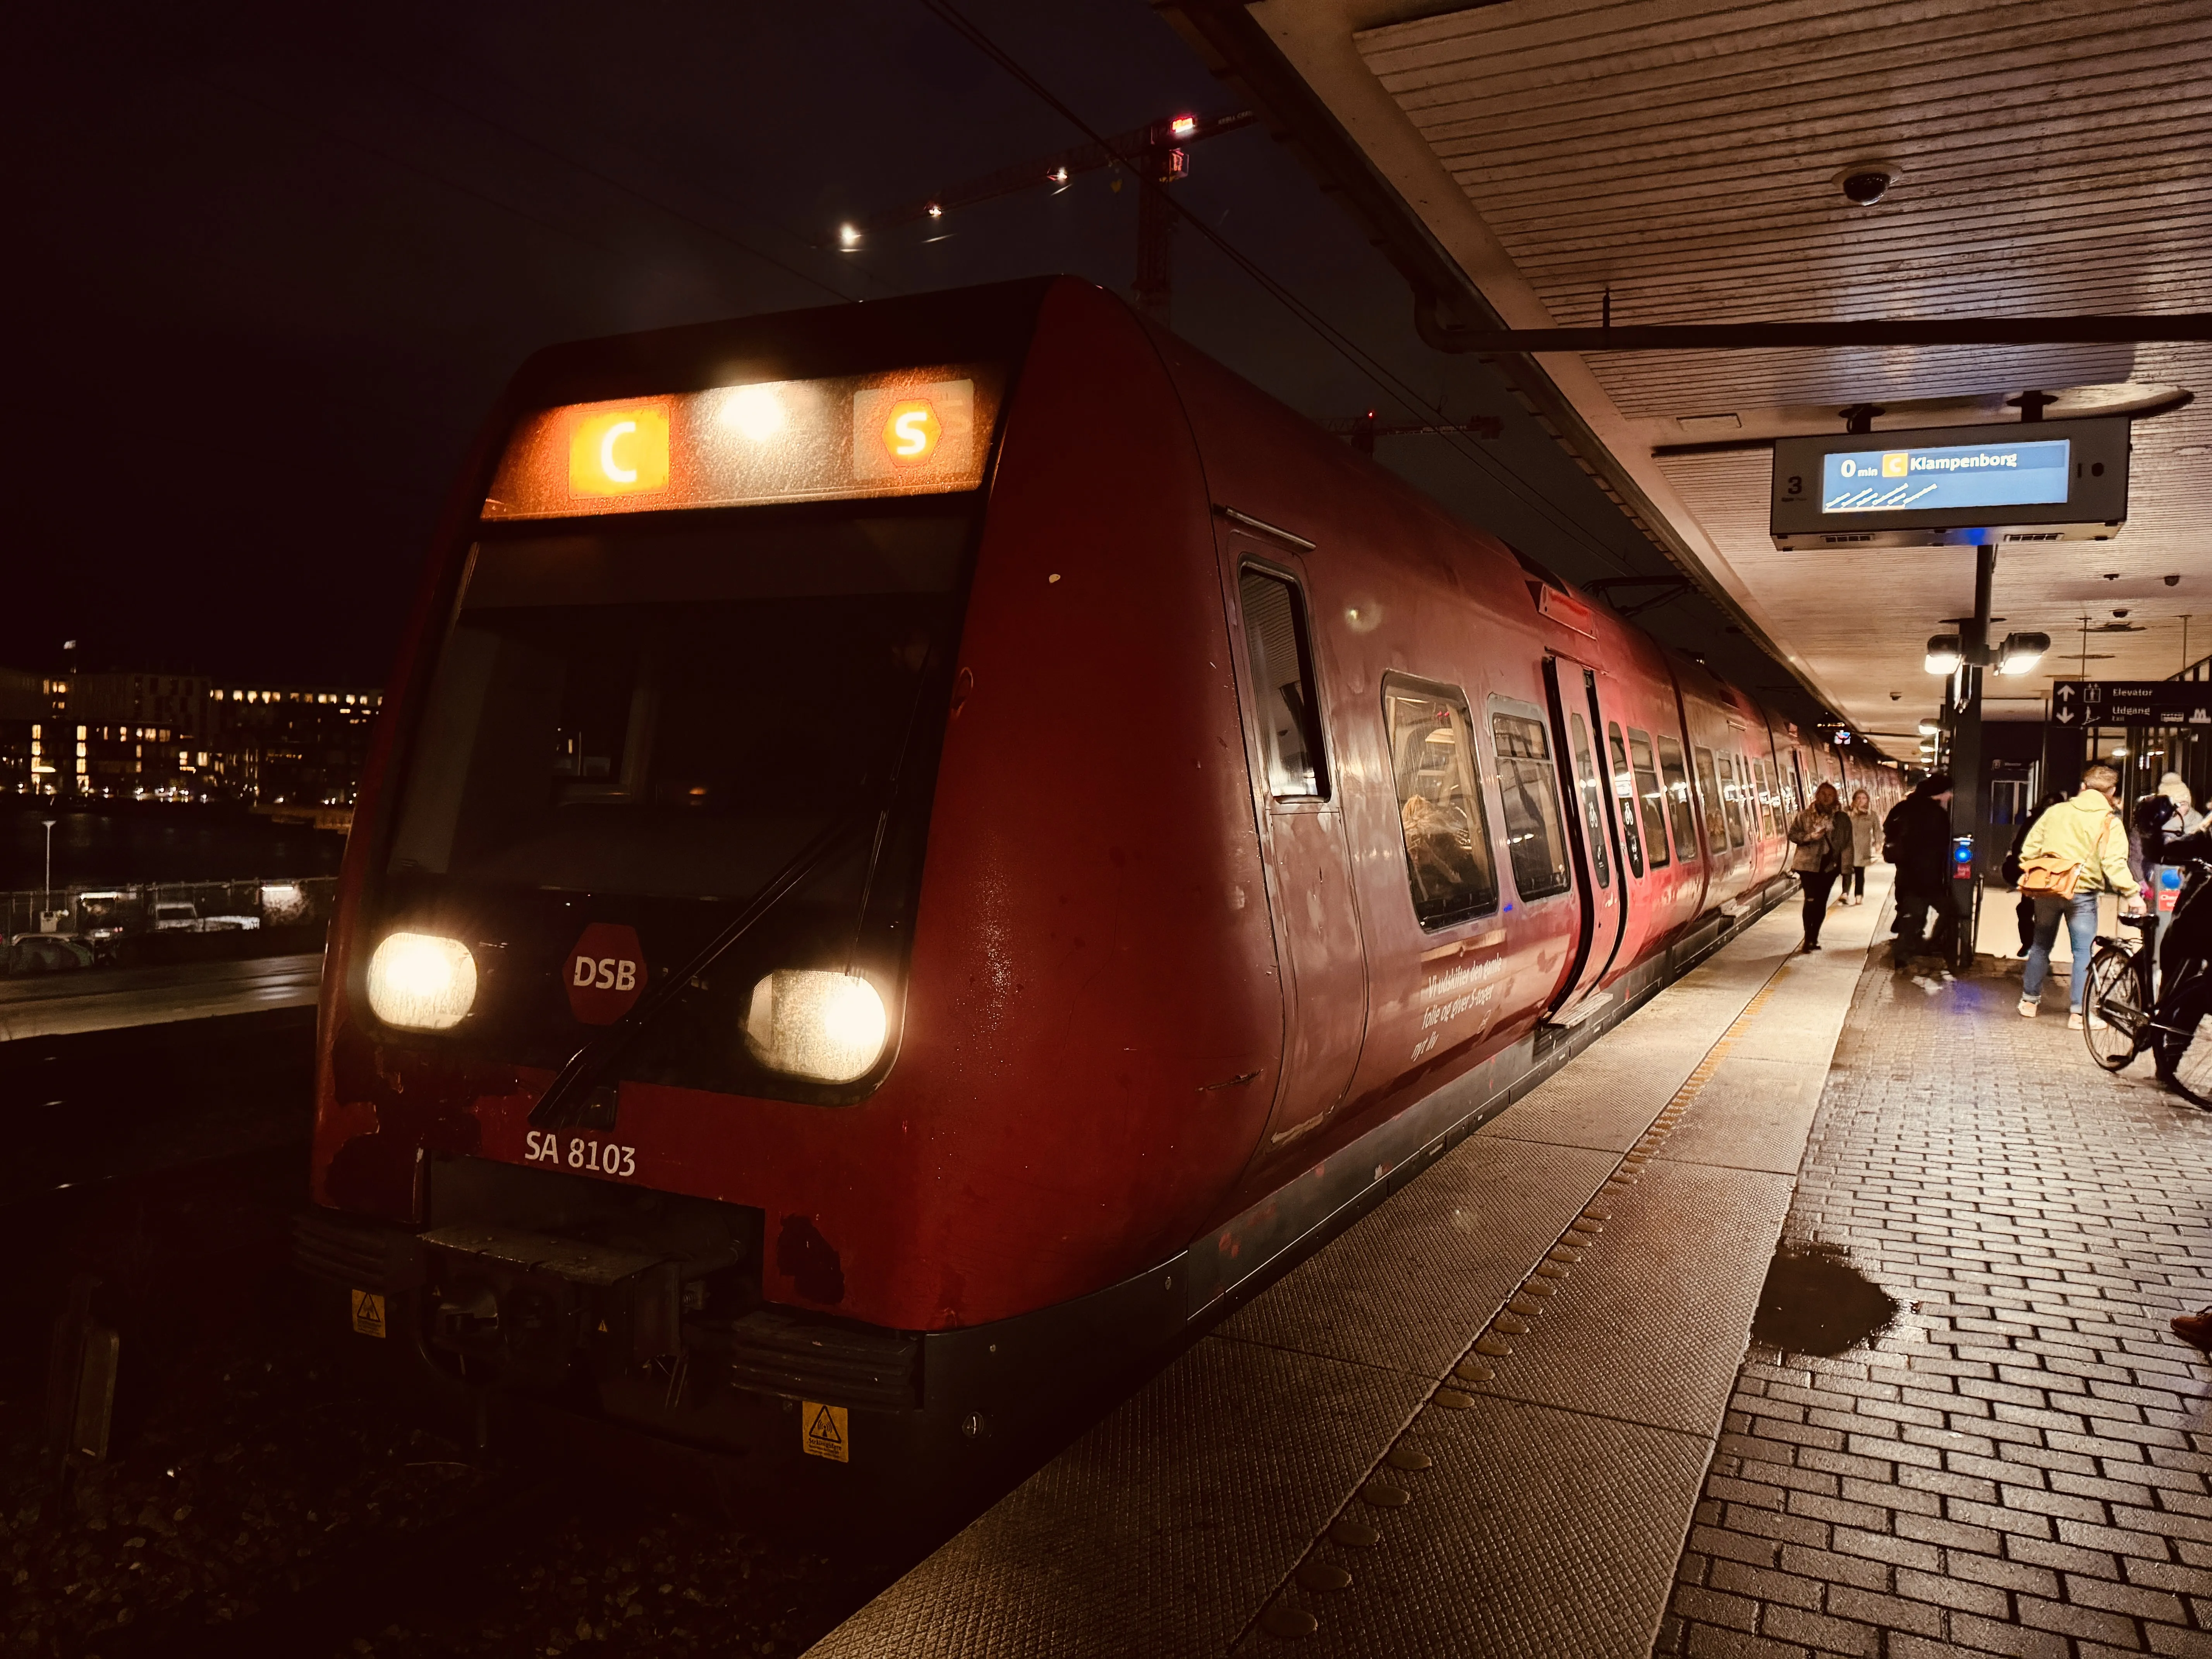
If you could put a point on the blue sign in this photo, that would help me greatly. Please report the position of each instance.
(1962, 477)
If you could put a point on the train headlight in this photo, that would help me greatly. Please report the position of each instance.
(421, 982)
(812, 1023)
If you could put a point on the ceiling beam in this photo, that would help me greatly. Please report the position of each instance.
(1874, 332)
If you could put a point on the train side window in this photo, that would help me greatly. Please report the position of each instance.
(1676, 773)
(1765, 767)
(1651, 796)
(1593, 802)
(1281, 654)
(1624, 796)
(1732, 768)
(1528, 783)
(1449, 867)
(1709, 793)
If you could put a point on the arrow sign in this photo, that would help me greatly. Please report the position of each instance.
(2134, 702)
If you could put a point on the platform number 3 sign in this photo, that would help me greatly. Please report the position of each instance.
(822, 1432)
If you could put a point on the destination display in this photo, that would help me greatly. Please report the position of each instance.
(2043, 481)
(2131, 702)
(1969, 478)
(908, 432)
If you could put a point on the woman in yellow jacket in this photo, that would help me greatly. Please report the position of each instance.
(2084, 832)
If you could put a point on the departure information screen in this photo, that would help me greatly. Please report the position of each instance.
(1941, 486)
(1958, 477)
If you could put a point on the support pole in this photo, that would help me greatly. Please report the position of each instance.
(1968, 784)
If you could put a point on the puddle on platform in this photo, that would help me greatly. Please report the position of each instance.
(1815, 1302)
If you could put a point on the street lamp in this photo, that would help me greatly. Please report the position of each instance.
(46, 893)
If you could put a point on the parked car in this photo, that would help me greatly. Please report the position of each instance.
(182, 916)
(45, 953)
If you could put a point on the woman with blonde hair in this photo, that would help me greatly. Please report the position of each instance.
(1821, 841)
(1851, 889)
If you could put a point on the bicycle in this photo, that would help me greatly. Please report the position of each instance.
(2124, 1010)
(2121, 996)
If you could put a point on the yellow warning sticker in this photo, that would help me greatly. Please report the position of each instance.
(822, 1432)
(368, 1313)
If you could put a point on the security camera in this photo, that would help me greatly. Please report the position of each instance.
(2122, 612)
(2173, 581)
(1865, 183)
(1894, 695)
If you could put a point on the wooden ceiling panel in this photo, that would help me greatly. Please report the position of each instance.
(1683, 155)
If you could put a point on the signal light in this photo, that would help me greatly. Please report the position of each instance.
(1183, 125)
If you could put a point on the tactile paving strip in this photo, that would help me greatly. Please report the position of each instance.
(1649, 1327)
(1116, 1546)
(1520, 1501)
(1586, 1346)
(1398, 1288)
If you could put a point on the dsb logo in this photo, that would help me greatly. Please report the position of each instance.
(613, 973)
(604, 974)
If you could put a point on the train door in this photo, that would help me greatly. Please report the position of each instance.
(1323, 959)
(1593, 835)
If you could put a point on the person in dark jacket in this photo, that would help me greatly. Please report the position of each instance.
(1917, 838)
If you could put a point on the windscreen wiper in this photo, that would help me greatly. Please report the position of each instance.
(569, 1096)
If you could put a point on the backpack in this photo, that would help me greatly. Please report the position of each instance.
(1892, 842)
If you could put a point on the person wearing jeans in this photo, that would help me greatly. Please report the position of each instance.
(2083, 835)
(2079, 916)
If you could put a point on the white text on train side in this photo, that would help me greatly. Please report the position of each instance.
(591, 1156)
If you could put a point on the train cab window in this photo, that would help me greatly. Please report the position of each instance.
(1624, 796)
(1528, 786)
(1731, 769)
(1651, 796)
(1449, 867)
(1281, 655)
(1593, 802)
(1675, 771)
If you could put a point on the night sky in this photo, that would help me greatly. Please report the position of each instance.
(279, 264)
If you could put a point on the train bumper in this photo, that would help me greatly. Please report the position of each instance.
(531, 1343)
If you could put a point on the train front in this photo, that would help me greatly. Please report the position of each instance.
(613, 1136)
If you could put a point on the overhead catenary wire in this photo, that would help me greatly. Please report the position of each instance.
(682, 214)
(1379, 373)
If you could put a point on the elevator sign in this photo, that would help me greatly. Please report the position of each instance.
(2131, 702)
(2024, 481)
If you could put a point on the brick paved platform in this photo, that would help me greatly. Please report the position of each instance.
(2018, 1466)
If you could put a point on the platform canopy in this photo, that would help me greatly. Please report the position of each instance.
(2046, 158)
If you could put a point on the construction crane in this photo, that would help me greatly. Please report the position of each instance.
(1159, 149)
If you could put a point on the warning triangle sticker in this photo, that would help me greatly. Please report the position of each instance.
(823, 1429)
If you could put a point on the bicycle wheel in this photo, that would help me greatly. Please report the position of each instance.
(2115, 998)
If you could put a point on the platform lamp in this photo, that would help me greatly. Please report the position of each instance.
(2017, 653)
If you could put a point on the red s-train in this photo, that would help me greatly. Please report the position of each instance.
(913, 843)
